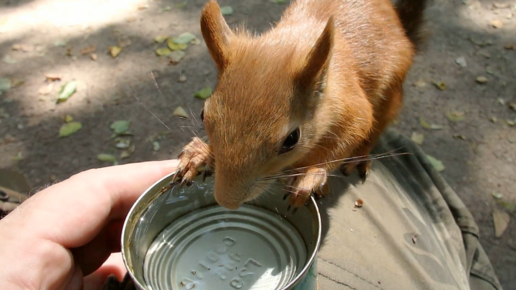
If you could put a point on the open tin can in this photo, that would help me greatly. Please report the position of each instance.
(181, 238)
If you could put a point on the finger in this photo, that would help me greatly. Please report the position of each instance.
(73, 212)
(92, 255)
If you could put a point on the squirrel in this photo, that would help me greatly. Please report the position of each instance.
(295, 101)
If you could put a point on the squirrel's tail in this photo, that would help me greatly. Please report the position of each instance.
(411, 14)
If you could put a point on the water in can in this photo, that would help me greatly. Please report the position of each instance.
(181, 239)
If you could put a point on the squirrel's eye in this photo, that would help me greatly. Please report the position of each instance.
(290, 142)
(202, 114)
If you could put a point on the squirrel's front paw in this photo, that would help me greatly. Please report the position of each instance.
(311, 181)
(194, 155)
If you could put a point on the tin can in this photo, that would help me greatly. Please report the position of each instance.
(181, 238)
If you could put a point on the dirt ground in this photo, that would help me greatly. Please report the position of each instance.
(47, 37)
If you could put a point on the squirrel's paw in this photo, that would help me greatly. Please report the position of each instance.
(194, 156)
(362, 168)
(312, 181)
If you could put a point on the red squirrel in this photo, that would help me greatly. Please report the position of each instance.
(296, 100)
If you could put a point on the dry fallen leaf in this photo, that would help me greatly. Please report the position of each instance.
(89, 50)
(359, 203)
(47, 89)
(440, 85)
(52, 77)
(481, 80)
(420, 84)
(427, 125)
(23, 47)
(124, 42)
(490, 70)
(127, 152)
(483, 53)
(130, 19)
(459, 136)
(512, 106)
(497, 23)
(494, 119)
(501, 220)
(481, 42)
(417, 138)
(160, 38)
(497, 195)
(461, 61)
(16, 82)
(510, 122)
(455, 116)
(93, 56)
(114, 51)
(180, 112)
(67, 118)
(511, 46)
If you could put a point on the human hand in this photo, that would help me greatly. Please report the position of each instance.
(67, 231)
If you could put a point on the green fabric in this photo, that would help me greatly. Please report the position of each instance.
(412, 232)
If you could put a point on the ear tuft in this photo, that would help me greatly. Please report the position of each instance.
(216, 33)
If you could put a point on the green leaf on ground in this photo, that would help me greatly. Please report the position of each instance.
(160, 38)
(226, 10)
(163, 51)
(69, 128)
(155, 145)
(120, 126)
(184, 38)
(106, 157)
(427, 125)
(455, 116)
(437, 164)
(176, 56)
(66, 91)
(204, 93)
(176, 46)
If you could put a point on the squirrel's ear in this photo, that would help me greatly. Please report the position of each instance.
(317, 60)
(216, 33)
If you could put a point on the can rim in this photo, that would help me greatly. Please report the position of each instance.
(136, 204)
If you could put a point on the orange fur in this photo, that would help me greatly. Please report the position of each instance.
(332, 68)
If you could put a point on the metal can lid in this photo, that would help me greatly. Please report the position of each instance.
(217, 248)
